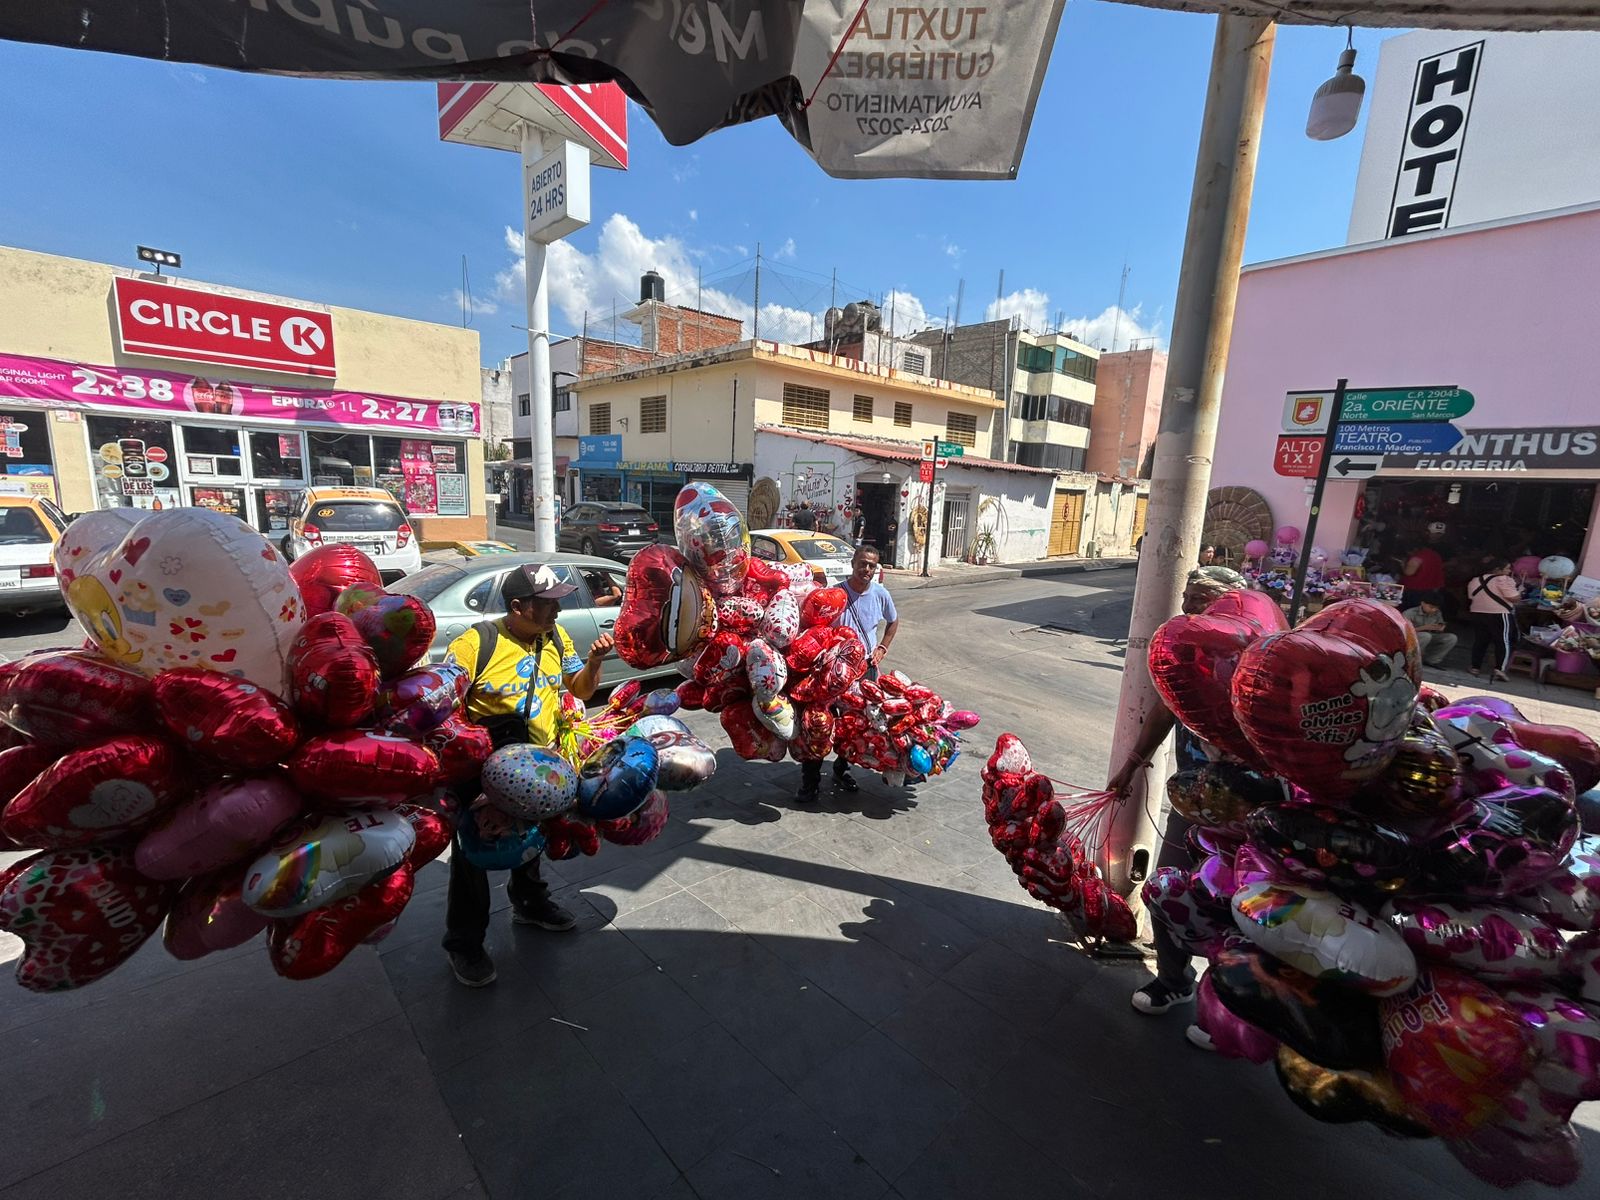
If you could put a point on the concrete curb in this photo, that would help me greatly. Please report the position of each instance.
(910, 581)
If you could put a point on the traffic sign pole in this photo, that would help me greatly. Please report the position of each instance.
(1297, 603)
(927, 531)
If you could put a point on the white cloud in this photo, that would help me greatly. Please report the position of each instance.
(951, 249)
(786, 250)
(1130, 326)
(904, 314)
(694, 214)
(477, 306)
(1032, 305)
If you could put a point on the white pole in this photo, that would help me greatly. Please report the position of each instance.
(544, 448)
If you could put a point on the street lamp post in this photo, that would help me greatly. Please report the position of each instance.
(1208, 286)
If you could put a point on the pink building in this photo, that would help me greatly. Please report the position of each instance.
(1507, 310)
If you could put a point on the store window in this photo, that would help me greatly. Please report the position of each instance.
(277, 455)
(961, 428)
(209, 451)
(524, 405)
(340, 459)
(133, 462)
(26, 447)
(428, 477)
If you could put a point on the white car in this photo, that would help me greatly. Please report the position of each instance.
(29, 527)
(369, 519)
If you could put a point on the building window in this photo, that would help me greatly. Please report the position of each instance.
(524, 405)
(961, 428)
(1051, 457)
(902, 414)
(653, 414)
(916, 362)
(563, 401)
(861, 410)
(805, 407)
(600, 418)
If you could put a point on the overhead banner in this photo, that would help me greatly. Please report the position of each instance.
(943, 91)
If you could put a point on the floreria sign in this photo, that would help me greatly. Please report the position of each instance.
(164, 321)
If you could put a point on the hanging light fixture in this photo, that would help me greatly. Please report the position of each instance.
(1337, 102)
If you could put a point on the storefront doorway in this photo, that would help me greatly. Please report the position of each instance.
(877, 506)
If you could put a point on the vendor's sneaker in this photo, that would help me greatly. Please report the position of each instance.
(1199, 1038)
(546, 914)
(806, 795)
(472, 970)
(1155, 997)
(843, 781)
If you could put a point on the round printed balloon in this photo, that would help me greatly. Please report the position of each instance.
(188, 587)
(712, 536)
(69, 697)
(780, 624)
(1325, 936)
(1455, 1048)
(1576, 751)
(494, 841)
(322, 573)
(1508, 841)
(640, 827)
(97, 794)
(227, 719)
(742, 614)
(1331, 847)
(529, 783)
(1491, 942)
(81, 914)
(221, 825)
(1332, 1025)
(619, 781)
(1491, 756)
(667, 610)
(1171, 898)
(683, 761)
(321, 860)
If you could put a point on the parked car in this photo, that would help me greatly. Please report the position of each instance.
(368, 518)
(463, 593)
(827, 556)
(29, 529)
(608, 529)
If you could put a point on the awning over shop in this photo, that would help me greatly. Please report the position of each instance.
(884, 450)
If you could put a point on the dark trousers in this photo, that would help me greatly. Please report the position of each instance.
(811, 772)
(1493, 635)
(466, 917)
(1173, 959)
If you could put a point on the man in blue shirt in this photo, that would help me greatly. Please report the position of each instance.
(868, 605)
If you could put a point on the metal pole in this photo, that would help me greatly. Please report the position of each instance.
(927, 529)
(1208, 286)
(755, 316)
(539, 379)
(1297, 604)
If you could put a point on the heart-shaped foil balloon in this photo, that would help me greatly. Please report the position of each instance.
(230, 720)
(97, 794)
(667, 610)
(321, 574)
(317, 942)
(321, 860)
(1193, 660)
(186, 587)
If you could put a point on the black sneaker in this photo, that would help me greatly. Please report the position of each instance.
(546, 914)
(472, 970)
(843, 781)
(807, 795)
(1155, 997)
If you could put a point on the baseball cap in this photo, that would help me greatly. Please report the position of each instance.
(534, 581)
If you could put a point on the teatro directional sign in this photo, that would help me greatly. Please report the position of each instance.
(1403, 437)
(1388, 405)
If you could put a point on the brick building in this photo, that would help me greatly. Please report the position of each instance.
(1127, 411)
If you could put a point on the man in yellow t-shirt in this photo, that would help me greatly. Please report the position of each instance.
(516, 692)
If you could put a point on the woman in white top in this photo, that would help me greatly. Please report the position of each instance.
(1492, 596)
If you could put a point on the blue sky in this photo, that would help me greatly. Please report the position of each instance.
(341, 192)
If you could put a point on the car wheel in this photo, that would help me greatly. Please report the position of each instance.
(587, 546)
(288, 556)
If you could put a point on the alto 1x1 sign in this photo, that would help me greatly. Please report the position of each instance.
(164, 320)
(557, 193)
(925, 471)
(1298, 457)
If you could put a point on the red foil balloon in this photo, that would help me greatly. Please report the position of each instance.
(751, 739)
(1376, 627)
(1328, 711)
(763, 580)
(333, 674)
(691, 695)
(1573, 749)
(1193, 661)
(225, 718)
(1456, 1049)
(433, 833)
(312, 945)
(69, 697)
(667, 610)
(98, 794)
(822, 607)
(839, 664)
(1256, 609)
(82, 914)
(814, 739)
(640, 827)
(359, 766)
(461, 748)
(721, 660)
(326, 571)
(399, 629)
(358, 596)
(210, 915)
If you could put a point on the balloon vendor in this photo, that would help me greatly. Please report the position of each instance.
(1174, 983)
(518, 666)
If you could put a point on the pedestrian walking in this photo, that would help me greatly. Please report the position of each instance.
(1174, 983)
(1434, 639)
(1492, 597)
(867, 604)
(518, 665)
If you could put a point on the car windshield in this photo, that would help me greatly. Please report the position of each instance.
(830, 548)
(429, 583)
(357, 516)
(20, 526)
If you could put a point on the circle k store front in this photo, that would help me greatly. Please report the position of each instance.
(375, 401)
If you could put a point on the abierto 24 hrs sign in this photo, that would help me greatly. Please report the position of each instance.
(163, 320)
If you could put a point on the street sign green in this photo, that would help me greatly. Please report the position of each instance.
(950, 450)
(1406, 404)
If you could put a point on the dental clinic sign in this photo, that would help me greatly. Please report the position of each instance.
(162, 320)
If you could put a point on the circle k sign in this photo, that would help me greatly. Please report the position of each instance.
(162, 320)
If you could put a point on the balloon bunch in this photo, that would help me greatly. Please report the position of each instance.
(758, 644)
(1051, 845)
(1397, 904)
(214, 760)
(606, 779)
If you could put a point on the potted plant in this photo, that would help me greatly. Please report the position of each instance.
(983, 549)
